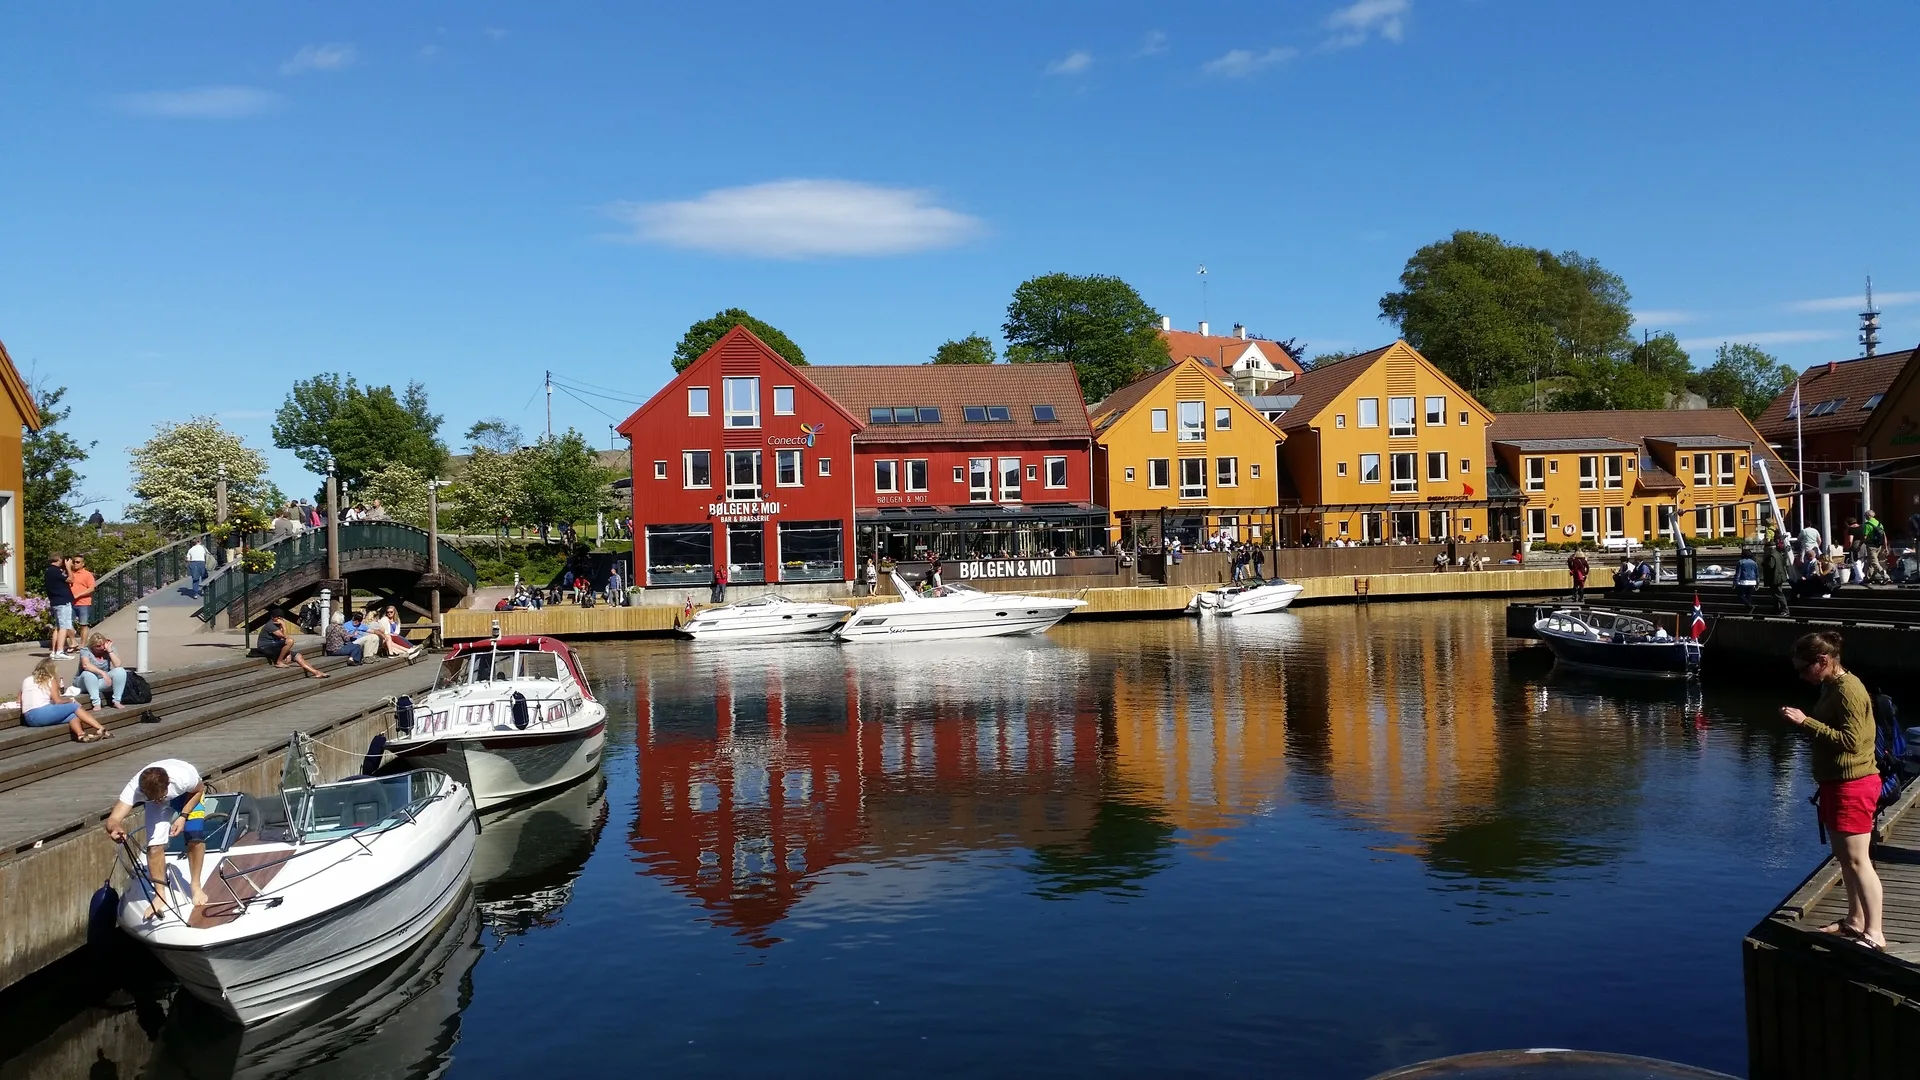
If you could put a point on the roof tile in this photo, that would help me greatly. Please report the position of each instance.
(1851, 382)
(952, 387)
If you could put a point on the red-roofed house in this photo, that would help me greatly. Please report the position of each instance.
(740, 457)
(1254, 366)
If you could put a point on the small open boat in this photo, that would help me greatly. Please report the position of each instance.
(509, 717)
(1616, 644)
(308, 889)
(1251, 598)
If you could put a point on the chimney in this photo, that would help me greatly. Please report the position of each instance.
(1203, 328)
(1166, 323)
(1240, 331)
(1831, 364)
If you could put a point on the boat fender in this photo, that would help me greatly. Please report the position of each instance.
(522, 715)
(102, 915)
(403, 716)
(376, 753)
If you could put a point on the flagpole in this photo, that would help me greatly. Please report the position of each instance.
(1800, 458)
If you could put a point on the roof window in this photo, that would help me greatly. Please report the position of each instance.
(880, 416)
(929, 414)
(1043, 414)
(987, 414)
(1827, 407)
(1871, 402)
(903, 414)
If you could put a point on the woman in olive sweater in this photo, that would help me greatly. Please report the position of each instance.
(1841, 724)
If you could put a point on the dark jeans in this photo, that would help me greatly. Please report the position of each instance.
(196, 576)
(1579, 591)
(353, 650)
(1745, 593)
(719, 592)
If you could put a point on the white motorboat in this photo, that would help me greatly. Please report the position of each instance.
(766, 616)
(309, 889)
(509, 717)
(953, 611)
(1252, 598)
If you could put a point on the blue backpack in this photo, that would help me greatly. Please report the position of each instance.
(1889, 749)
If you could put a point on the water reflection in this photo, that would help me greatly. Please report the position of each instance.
(528, 855)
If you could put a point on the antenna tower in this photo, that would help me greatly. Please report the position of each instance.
(1204, 317)
(1870, 324)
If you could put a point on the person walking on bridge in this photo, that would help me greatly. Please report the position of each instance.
(196, 568)
(171, 795)
(1842, 756)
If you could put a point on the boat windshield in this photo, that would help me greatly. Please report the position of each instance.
(767, 600)
(220, 832)
(497, 666)
(334, 810)
(956, 589)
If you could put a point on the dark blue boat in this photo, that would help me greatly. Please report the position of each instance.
(1605, 641)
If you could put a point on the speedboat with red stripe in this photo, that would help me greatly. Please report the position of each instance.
(507, 717)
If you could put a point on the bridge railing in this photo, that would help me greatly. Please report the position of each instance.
(291, 553)
(141, 576)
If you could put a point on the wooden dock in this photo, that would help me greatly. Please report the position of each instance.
(232, 720)
(1819, 1005)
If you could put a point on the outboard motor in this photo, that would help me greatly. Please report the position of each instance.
(522, 715)
(403, 716)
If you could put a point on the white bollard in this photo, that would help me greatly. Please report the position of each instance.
(326, 609)
(142, 632)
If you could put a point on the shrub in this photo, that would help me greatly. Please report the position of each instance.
(24, 618)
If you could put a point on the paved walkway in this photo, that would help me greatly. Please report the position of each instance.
(47, 805)
(177, 639)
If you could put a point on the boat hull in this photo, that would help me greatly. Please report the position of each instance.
(256, 977)
(762, 626)
(901, 622)
(502, 767)
(1250, 602)
(1640, 660)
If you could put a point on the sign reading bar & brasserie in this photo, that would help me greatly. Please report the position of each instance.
(744, 510)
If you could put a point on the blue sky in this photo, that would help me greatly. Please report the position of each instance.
(202, 204)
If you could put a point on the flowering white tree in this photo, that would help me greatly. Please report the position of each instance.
(490, 491)
(175, 471)
(401, 489)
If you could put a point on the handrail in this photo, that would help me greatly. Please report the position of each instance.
(291, 553)
(141, 576)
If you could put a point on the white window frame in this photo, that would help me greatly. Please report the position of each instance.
(1222, 418)
(1411, 482)
(907, 475)
(1436, 411)
(1368, 405)
(826, 466)
(1253, 470)
(1165, 469)
(740, 417)
(1729, 520)
(780, 460)
(1616, 514)
(1536, 469)
(886, 475)
(686, 470)
(1536, 514)
(1053, 464)
(1616, 473)
(659, 470)
(704, 396)
(1400, 417)
(1437, 476)
(1191, 467)
(1159, 419)
(743, 492)
(1589, 523)
(1725, 472)
(1129, 474)
(1010, 469)
(1192, 418)
(959, 474)
(1374, 461)
(980, 480)
(1589, 472)
(777, 410)
(1339, 468)
(1226, 472)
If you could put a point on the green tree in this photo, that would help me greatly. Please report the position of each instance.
(1488, 312)
(1661, 357)
(401, 489)
(1097, 323)
(702, 335)
(494, 434)
(50, 458)
(1324, 358)
(1603, 382)
(175, 473)
(361, 429)
(1743, 377)
(488, 492)
(561, 480)
(972, 349)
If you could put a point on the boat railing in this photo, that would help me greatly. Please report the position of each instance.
(493, 713)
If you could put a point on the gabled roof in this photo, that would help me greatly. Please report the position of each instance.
(1679, 427)
(736, 341)
(1851, 382)
(1898, 390)
(17, 392)
(1109, 411)
(1320, 387)
(1223, 349)
(951, 388)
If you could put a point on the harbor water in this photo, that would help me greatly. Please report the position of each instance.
(1318, 844)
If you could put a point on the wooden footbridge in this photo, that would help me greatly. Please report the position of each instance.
(411, 568)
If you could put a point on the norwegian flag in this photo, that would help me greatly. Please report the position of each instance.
(1699, 620)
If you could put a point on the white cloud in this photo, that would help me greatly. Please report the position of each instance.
(798, 219)
(1853, 303)
(1154, 43)
(494, 32)
(429, 52)
(1761, 337)
(1354, 24)
(1240, 63)
(1074, 63)
(320, 58)
(1664, 318)
(200, 103)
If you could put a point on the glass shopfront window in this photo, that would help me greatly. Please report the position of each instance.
(747, 553)
(811, 551)
(680, 554)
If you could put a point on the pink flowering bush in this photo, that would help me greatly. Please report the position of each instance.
(24, 618)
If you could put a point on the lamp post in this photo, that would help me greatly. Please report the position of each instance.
(333, 530)
(433, 552)
(220, 496)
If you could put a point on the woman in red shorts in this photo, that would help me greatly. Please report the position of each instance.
(1841, 724)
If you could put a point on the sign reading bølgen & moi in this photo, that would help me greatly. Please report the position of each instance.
(744, 510)
(976, 569)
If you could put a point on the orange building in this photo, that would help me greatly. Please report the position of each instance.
(18, 414)
(1180, 447)
(1384, 446)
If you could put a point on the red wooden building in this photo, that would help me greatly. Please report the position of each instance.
(966, 461)
(740, 457)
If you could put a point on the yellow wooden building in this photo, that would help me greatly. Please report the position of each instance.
(1605, 477)
(1179, 451)
(18, 414)
(1383, 446)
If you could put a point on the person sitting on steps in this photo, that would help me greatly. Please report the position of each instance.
(100, 669)
(276, 644)
(42, 704)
